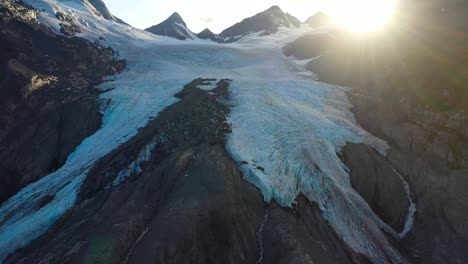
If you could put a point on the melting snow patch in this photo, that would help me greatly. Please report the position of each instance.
(208, 85)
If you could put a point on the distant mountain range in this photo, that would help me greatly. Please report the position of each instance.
(267, 22)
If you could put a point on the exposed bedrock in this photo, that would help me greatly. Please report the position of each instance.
(421, 153)
(188, 202)
(376, 181)
(418, 105)
(301, 235)
(47, 98)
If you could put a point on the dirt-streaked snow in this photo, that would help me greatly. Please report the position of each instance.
(283, 120)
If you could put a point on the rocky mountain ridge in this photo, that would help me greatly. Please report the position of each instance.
(48, 103)
(174, 26)
(266, 22)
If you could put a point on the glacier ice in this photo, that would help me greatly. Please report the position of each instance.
(294, 129)
(283, 122)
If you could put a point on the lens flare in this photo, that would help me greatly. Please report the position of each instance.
(361, 15)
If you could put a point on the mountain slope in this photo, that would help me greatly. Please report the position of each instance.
(268, 21)
(270, 91)
(102, 8)
(318, 20)
(174, 26)
(44, 114)
(416, 101)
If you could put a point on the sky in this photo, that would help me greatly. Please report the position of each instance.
(200, 14)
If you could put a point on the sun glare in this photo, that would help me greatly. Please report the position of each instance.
(362, 15)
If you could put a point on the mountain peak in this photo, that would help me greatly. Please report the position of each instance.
(267, 21)
(176, 18)
(274, 8)
(206, 30)
(175, 15)
(207, 34)
(174, 26)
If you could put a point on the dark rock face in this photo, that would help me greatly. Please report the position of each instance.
(301, 236)
(69, 27)
(47, 100)
(309, 46)
(422, 153)
(320, 19)
(376, 181)
(188, 205)
(268, 21)
(207, 34)
(174, 27)
(404, 100)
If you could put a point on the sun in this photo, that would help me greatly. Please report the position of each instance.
(361, 15)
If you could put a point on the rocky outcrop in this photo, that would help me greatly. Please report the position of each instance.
(188, 202)
(174, 27)
(267, 21)
(378, 183)
(422, 154)
(47, 97)
(188, 205)
(301, 235)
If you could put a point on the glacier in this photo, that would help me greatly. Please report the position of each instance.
(283, 121)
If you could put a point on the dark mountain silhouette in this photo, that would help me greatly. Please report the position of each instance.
(207, 34)
(174, 27)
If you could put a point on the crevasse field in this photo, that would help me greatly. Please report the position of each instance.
(282, 120)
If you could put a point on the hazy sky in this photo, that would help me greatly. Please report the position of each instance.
(199, 14)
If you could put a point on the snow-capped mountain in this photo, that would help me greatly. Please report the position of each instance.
(118, 145)
(208, 34)
(267, 22)
(174, 26)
